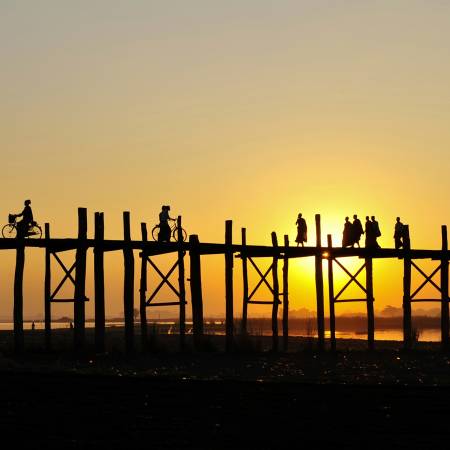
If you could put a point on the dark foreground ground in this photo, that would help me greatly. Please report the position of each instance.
(210, 400)
(87, 411)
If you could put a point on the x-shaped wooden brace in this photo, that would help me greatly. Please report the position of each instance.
(262, 280)
(428, 279)
(352, 279)
(165, 280)
(68, 275)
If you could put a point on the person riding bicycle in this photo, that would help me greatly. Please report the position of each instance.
(164, 227)
(27, 219)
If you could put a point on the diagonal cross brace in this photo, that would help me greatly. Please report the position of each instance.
(352, 279)
(165, 280)
(428, 279)
(262, 280)
(68, 275)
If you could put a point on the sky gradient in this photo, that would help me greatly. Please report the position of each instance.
(249, 110)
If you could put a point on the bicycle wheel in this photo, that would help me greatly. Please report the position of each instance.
(175, 234)
(9, 231)
(155, 232)
(35, 232)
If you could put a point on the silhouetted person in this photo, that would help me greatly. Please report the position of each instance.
(371, 240)
(347, 233)
(398, 234)
(377, 231)
(357, 230)
(27, 218)
(71, 325)
(302, 230)
(164, 227)
(33, 326)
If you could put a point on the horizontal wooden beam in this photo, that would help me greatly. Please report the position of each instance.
(156, 248)
(165, 304)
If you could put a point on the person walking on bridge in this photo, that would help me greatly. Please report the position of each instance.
(347, 234)
(398, 234)
(357, 231)
(302, 230)
(376, 230)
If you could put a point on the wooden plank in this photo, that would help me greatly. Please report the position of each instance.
(331, 295)
(165, 304)
(18, 297)
(47, 292)
(229, 314)
(276, 294)
(80, 282)
(99, 283)
(319, 286)
(128, 286)
(181, 285)
(351, 300)
(286, 297)
(143, 292)
(245, 298)
(407, 322)
(196, 290)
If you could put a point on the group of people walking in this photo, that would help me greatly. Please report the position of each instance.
(353, 231)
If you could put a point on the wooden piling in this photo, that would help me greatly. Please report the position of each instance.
(18, 296)
(444, 291)
(244, 281)
(370, 300)
(229, 324)
(128, 284)
(143, 290)
(331, 294)
(276, 293)
(80, 282)
(286, 295)
(319, 286)
(196, 290)
(181, 285)
(47, 292)
(407, 323)
(99, 282)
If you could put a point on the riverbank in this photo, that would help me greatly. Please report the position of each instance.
(251, 398)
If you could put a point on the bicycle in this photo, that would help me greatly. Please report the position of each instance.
(10, 229)
(173, 232)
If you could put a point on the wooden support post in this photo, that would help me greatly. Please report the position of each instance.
(99, 283)
(80, 282)
(319, 287)
(276, 293)
(18, 296)
(370, 300)
(244, 281)
(331, 293)
(407, 323)
(196, 290)
(229, 324)
(181, 285)
(444, 291)
(286, 295)
(128, 285)
(143, 290)
(47, 291)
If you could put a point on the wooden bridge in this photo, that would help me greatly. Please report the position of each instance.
(248, 255)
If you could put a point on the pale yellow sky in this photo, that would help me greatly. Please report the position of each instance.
(249, 110)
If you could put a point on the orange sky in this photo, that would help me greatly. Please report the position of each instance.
(251, 111)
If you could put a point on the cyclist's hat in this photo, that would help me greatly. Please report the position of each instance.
(27, 202)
